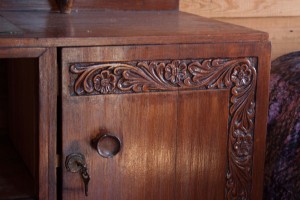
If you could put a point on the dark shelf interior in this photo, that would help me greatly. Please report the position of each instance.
(15, 179)
(18, 129)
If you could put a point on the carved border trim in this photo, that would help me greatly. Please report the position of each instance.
(237, 74)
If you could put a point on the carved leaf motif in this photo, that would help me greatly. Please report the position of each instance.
(239, 75)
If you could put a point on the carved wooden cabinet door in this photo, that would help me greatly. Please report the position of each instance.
(161, 122)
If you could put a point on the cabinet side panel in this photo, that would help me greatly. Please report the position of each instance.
(202, 144)
(262, 103)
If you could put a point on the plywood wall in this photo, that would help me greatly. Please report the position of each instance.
(280, 18)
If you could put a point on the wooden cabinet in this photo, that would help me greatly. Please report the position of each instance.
(172, 109)
(185, 121)
(28, 140)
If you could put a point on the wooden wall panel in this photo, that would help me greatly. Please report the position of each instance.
(245, 8)
(281, 19)
(284, 32)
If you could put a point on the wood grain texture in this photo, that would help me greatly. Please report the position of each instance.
(233, 8)
(150, 52)
(120, 28)
(27, 5)
(144, 169)
(8, 28)
(82, 116)
(279, 18)
(127, 5)
(147, 158)
(48, 91)
(202, 144)
(284, 32)
(21, 52)
(41, 63)
(205, 74)
(262, 105)
(91, 4)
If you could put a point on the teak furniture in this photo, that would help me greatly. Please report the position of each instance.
(135, 104)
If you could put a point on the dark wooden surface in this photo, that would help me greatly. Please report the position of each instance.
(145, 166)
(21, 52)
(162, 171)
(119, 27)
(8, 28)
(16, 180)
(20, 5)
(201, 144)
(201, 134)
(262, 104)
(21, 120)
(145, 127)
(23, 109)
(45, 117)
(3, 99)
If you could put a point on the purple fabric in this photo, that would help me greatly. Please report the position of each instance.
(282, 166)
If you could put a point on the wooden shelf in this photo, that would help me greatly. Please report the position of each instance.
(15, 180)
(85, 28)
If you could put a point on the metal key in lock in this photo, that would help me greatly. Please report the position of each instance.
(76, 163)
(85, 177)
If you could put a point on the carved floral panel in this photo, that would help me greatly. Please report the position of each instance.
(238, 75)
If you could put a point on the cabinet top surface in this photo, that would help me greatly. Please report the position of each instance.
(91, 28)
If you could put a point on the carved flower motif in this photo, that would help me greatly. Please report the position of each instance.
(175, 71)
(105, 82)
(243, 143)
(241, 75)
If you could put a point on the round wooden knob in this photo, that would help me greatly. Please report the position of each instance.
(107, 145)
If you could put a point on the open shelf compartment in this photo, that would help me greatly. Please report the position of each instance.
(18, 128)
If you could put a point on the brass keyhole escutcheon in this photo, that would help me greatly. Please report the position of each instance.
(76, 163)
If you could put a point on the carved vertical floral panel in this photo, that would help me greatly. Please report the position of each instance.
(238, 75)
